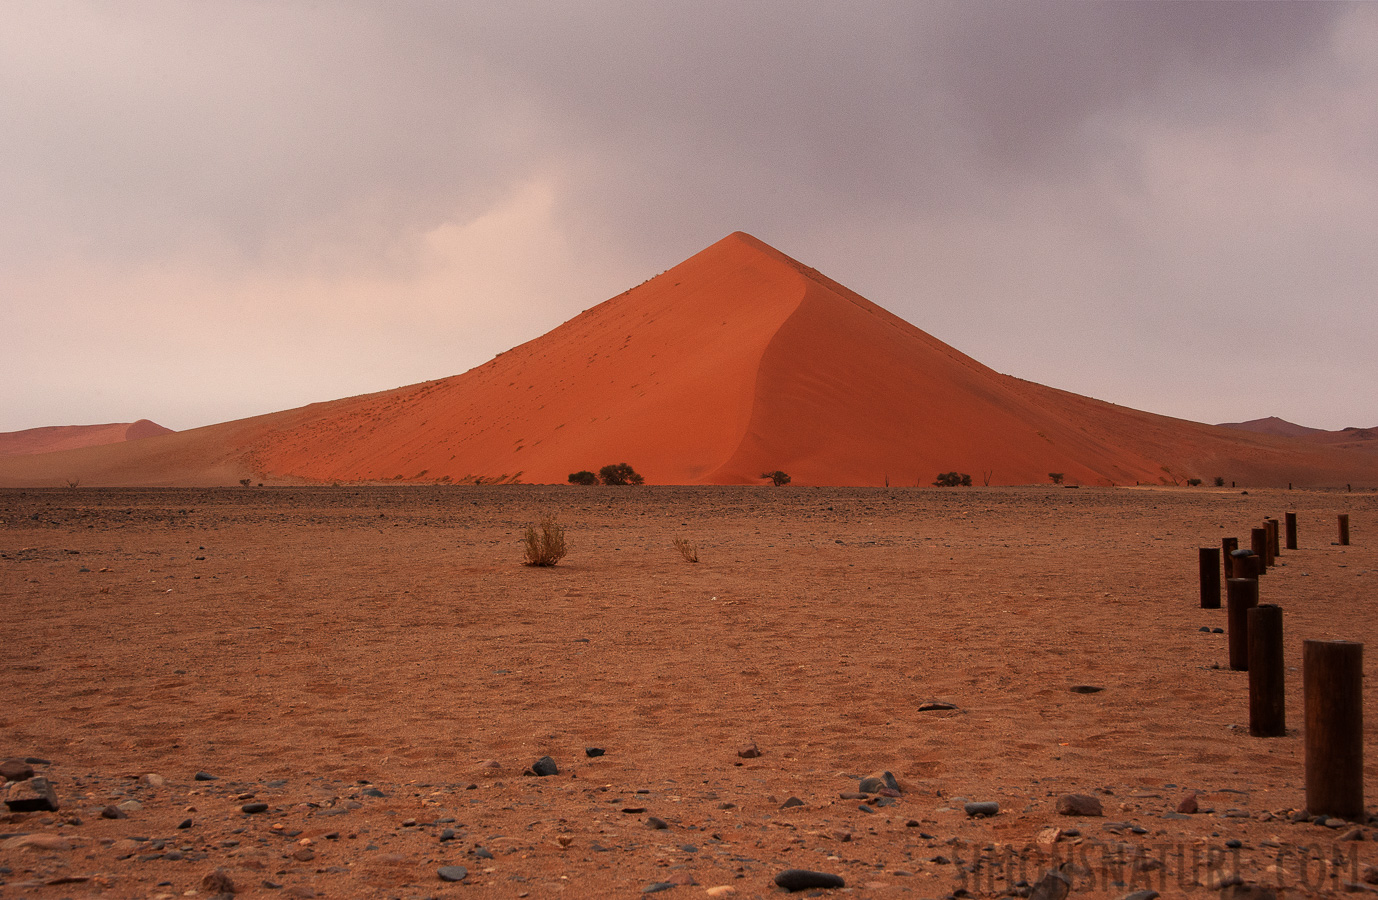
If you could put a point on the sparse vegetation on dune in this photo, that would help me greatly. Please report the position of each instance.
(620, 473)
(953, 479)
(777, 477)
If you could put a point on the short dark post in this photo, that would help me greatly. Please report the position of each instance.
(1291, 531)
(1228, 546)
(1258, 541)
(1344, 529)
(1267, 674)
(1245, 564)
(1273, 549)
(1210, 577)
(1243, 596)
(1333, 676)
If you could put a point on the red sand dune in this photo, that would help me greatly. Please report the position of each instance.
(69, 437)
(738, 361)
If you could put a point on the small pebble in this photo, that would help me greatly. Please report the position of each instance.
(452, 873)
(803, 879)
(982, 809)
(252, 808)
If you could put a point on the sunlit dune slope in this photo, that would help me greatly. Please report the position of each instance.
(736, 362)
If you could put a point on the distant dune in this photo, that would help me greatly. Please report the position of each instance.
(736, 362)
(70, 437)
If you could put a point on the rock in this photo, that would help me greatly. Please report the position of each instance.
(1048, 836)
(545, 766)
(1052, 886)
(1248, 892)
(982, 808)
(1085, 689)
(791, 802)
(656, 824)
(657, 887)
(482, 853)
(1353, 834)
(252, 808)
(218, 882)
(37, 842)
(936, 706)
(113, 812)
(891, 783)
(750, 751)
(33, 795)
(130, 806)
(205, 776)
(15, 770)
(1141, 895)
(842, 835)
(802, 880)
(305, 854)
(1079, 805)
(594, 751)
(153, 781)
(447, 835)
(185, 823)
(452, 873)
(871, 784)
(721, 890)
(853, 795)
(1188, 805)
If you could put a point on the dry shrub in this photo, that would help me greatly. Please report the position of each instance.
(689, 551)
(546, 546)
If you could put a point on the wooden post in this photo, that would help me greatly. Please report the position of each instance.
(1245, 564)
(1228, 546)
(1243, 596)
(1291, 531)
(1209, 563)
(1333, 676)
(1273, 549)
(1267, 673)
(1344, 529)
(1258, 541)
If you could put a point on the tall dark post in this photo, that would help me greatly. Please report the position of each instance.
(1242, 596)
(1291, 531)
(1228, 546)
(1267, 673)
(1344, 529)
(1333, 676)
(1273, 549)
(1209, 564)
(1258, 541)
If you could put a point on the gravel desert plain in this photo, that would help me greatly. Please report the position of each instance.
(339, 691)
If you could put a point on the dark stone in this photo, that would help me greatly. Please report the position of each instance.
(1206, 629)
(452, 873)
(37, 761)
(447, 835)
(482, 853)
(1079, 805)
(252, 808)
(982, 808)
(802, 880)
(750, 751)
(205, 776)
(545, 766)
(15, 770)
(871, 784)
(656, 823)
(594, 751)
(657, 887)
(936, 706)
(113, 812)
(791, 802)
(33, 795)
(218, 882)
(1217, 631)
(1052, 886)
(373, 792)
(185, 823)
(1085, 689)
(891, 782)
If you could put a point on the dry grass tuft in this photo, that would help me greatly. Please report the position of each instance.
(689, 551)
(545, 547)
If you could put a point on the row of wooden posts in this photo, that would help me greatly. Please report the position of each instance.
(1332, 671)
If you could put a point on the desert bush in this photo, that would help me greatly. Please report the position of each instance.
(74, 483)
(689, 551)
(621, 473)
(1193, 481)
(244, 482)
(1056, 477)
(545, 547)
(777, 477)
(953, 479)
(583, 477)
(1219, 481)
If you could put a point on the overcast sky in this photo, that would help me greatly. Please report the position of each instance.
(216, 209)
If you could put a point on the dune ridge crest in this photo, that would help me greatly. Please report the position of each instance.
(738, 361)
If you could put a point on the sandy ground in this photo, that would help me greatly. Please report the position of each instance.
(377, 667)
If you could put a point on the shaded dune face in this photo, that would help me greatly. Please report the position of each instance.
(738, 361)
(71, 437)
